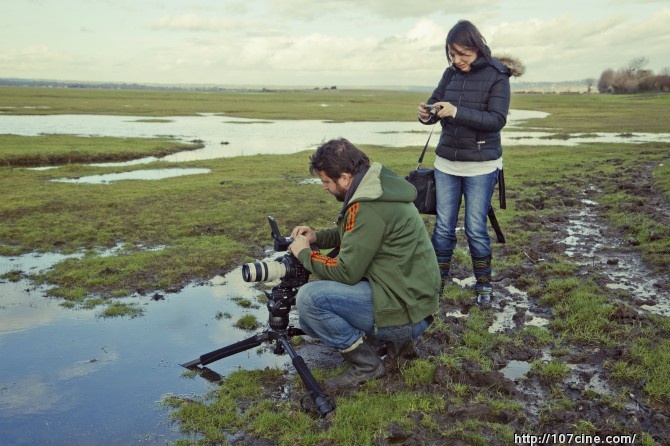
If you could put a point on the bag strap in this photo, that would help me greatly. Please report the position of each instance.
(423, 152)
(494, 224)
(501, 190)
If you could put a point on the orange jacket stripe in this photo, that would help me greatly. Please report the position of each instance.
(351, 220)
(316, 256)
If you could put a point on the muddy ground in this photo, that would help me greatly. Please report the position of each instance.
(600, 251)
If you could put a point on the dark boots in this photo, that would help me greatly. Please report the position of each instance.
(444, 262)
(365, 365)
(481, 266)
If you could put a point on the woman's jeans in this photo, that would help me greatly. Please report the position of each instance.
(341, 314)
(477, 191)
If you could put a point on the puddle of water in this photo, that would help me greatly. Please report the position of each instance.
(504, 319)
(69, 377)
(588, 376)
(515, 370)
(226, 136)
(537, 321)
(144, 174)
(583, 232)
(599, 385)
(464, 283)
(588, 245)
(457, 314)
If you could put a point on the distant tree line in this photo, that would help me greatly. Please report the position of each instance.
(634, 78)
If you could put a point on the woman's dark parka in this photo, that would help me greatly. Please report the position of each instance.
(482, 97)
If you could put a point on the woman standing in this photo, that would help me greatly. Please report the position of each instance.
(471, 102)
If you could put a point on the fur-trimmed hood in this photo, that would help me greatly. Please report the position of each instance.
(514, 65)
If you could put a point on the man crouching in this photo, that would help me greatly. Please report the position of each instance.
(383, 284)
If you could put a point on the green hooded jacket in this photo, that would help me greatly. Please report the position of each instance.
(382, 238)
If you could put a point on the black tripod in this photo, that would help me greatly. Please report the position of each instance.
(280, 300)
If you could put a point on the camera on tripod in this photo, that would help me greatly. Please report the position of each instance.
(287, 268)
(293, 275)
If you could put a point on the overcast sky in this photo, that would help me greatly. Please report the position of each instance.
(319, 43)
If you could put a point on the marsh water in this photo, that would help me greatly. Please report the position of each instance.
(72, 377)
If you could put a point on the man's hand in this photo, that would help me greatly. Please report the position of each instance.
(306, 231)
(300, 242)
(302, 237)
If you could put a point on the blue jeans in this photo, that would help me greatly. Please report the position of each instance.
(477, 191)
(341, 314)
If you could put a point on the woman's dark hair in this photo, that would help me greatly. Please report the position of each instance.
(465, 34)
(336, 157)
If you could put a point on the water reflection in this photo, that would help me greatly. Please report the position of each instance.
(229, 136)
(223, 136)
(69, 377)
(143, 174)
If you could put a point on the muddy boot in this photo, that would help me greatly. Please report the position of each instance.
(482, 268)
(365, 365)
(445, 265)
(443, 284)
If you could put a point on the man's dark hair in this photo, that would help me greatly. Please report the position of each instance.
(465, 34)
(336, 157)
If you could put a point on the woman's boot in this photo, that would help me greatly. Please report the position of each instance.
(481, 266)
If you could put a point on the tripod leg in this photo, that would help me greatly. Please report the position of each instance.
(320, 399)
(229, 350)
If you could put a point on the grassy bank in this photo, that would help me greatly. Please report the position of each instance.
(56, 150)
(171, 232)
(335, 105)
(575, 113)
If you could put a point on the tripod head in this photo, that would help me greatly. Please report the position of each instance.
(280, 300)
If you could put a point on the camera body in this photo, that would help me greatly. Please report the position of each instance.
(432, 108)
(287, 268)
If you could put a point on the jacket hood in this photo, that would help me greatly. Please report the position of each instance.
(514, 65)
(504, 63)
(382, 184)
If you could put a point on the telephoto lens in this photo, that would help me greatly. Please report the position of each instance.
(263, 271)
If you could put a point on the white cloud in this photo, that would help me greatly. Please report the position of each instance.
(32, 59)
(340, 42)
(188, 22)
(311, 10)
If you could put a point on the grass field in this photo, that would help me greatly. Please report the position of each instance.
(207, 224)
(576, 113)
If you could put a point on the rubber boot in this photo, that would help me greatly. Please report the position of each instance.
(365, 365)
(443, 284)
(444, 264)
(482, 268)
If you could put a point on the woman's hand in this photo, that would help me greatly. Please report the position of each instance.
(424, 112)
(447, 110)
(439, 109)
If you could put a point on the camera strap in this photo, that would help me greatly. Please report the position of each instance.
(423, 152)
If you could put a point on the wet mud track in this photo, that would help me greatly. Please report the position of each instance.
(590, 401)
